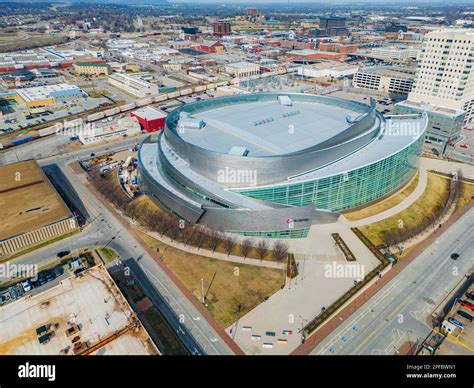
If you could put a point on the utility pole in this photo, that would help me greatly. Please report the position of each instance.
(202, 290)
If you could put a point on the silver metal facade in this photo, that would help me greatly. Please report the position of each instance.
(183, 178)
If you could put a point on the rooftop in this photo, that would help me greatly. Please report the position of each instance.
(241, 65)
(305, 52)
(85, 64)
(265, 127)
(149, 113)
(28, 201)
(391, 72)
(331, 65)
(42, 92)
(431, 108)
(92, 303)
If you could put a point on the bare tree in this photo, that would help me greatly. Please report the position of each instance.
(280, 250)
(200, 237)
(213, 239)
(229, 243)
(132, 210)
(186, 233)
(146, 218)
(173, 229)
(262, 249)
(161, 225)
(155, 220)
(245, 247)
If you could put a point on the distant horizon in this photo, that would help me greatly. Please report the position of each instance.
(250, 3)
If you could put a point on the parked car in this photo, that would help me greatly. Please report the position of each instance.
(26, 285)
(39, 281)
(455, 322)
(58, 271)
(470, 295)
(454, 256)
(466, 304)
(463, 314)
(63, 253)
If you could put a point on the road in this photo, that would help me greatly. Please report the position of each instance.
(105, 229)
(50, 148)
(162, 305)
(399, 311)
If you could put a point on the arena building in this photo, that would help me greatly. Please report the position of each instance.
(273, 164)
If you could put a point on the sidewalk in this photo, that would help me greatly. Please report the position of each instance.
(333, 323)
(188, 294)
(425, 165)
(407, 202)
(213, 255)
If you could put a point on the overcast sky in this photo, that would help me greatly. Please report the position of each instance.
(329, 2)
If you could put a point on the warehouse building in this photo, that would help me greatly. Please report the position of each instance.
(310, 56)
(150, 119)
(242, 69)
(83, 68)
(327, 69)
(48, 94)
(127, 126)
(31, 209)
(133, 85)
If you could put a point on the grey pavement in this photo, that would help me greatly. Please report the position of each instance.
(106, 230)
(399, 311)
(217, 255)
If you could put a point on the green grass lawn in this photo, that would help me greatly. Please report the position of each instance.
(108, 254)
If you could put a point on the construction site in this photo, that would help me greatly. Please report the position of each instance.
(85, 314)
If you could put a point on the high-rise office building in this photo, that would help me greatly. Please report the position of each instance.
(444, 75)
(222, 28)
(444, 83)
(331, 26)
(252, 11)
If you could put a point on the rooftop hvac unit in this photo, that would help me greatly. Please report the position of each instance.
(285, 100)
(190, 123)
(238, 151)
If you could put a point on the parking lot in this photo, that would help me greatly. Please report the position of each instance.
(461, 341)
(385, 104)
(23, 286)
(23, 116)
(463, 149)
